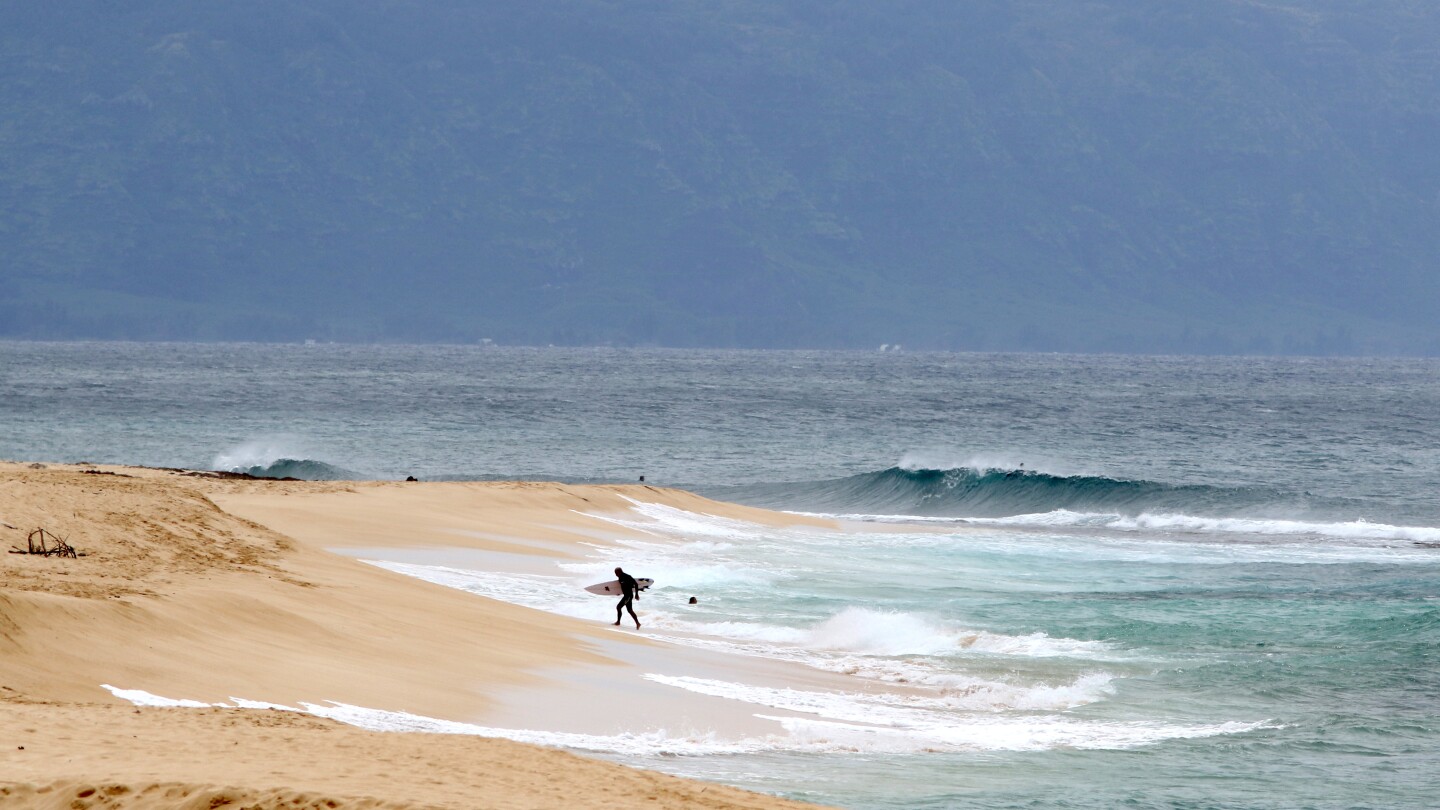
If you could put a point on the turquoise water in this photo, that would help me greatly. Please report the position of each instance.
(1326, 660)
(1140, 582)
(1068, 668)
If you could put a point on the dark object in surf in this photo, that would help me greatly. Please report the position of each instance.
(47, 544)
(411, 478)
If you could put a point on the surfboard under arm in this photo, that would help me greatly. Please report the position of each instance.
(612, 588)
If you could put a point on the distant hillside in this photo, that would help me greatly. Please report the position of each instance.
(1119, 175)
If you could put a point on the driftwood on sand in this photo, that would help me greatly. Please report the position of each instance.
(46, 544)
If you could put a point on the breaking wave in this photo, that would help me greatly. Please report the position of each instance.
(303, 468)
(278, 458)
(1002, 492)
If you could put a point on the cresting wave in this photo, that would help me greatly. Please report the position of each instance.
(1019, 497)
(304, 469)
(1002, 492)
(279, 458)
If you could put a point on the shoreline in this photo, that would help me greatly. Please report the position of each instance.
(210, 588)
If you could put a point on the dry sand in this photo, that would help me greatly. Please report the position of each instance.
(205, 588)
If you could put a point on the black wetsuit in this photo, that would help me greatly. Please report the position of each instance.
(628, 588)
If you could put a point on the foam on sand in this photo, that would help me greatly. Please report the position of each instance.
(849, 724)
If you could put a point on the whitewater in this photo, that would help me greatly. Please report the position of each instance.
(1079, 582)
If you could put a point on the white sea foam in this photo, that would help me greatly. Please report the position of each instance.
(1168, 524)
(880, 633)
(730, 630)
(917, 460)
(648, 744)
(554, 594)
(963, 694)
(967, 690)
(1175, 524)
(998, 734)
(899, 723)
(682, 533)
(1356, 529)
(888, 633)
(140, 697)
(564, 594)
(892, 633)
(261, 452)
(886, 646)
(664, 520)
(902, 730)
(920, 652)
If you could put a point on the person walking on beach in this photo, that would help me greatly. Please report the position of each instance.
(629, 592)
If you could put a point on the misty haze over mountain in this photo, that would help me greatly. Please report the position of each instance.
(1212, 176)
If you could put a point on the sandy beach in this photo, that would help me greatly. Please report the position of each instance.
(203, 588)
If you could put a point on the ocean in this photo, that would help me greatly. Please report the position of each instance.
(1096, 581)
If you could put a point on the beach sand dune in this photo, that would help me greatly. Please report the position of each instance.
(205, 588)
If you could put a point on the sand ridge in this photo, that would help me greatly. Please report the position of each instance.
(206, 588)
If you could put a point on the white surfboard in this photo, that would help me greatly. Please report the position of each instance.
(612, 588)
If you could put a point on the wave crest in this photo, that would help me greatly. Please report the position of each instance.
(304, 469)
(279, 458)
(1006, 492)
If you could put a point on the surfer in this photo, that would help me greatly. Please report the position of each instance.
(629, 592)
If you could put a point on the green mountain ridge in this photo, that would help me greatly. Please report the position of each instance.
(1218, 176)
